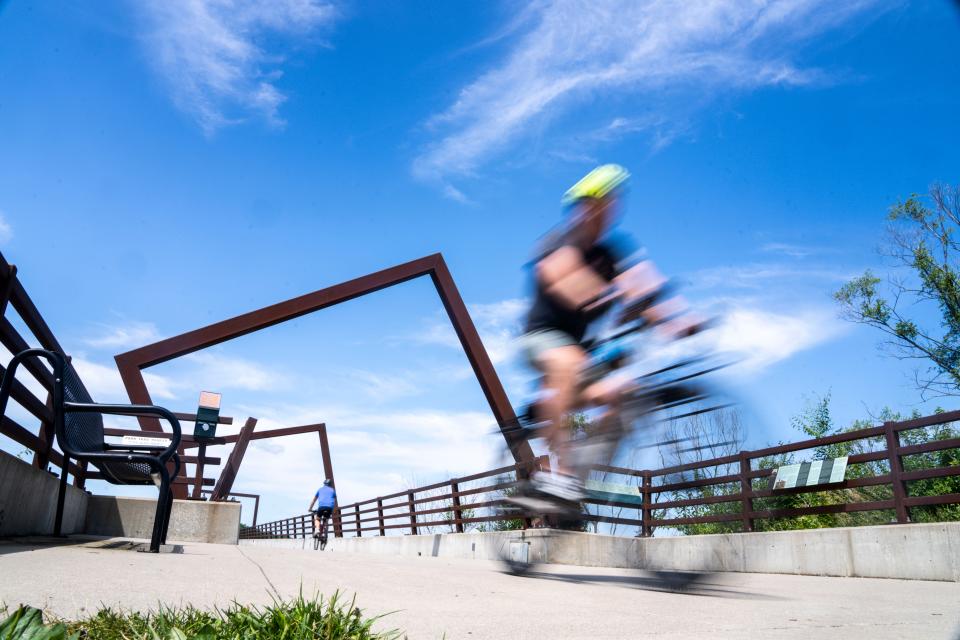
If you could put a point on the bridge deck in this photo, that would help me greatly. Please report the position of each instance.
(472, 599)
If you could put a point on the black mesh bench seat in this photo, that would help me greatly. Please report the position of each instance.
(78, 424)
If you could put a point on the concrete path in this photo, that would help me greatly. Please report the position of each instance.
(454, 599)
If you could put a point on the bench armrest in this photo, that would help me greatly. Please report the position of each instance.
(134, 410)
(133, 447)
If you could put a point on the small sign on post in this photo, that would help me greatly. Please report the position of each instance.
(809, 474)
(208, 415)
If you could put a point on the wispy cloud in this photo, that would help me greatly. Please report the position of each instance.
(130, 334)
(761, 276)
(498, 323)
(6, 231)
(212, 53)
(213, 370)
(792, 250)
(571, 51)
(104, 383)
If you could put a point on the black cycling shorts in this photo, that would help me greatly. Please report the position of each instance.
(324, 511)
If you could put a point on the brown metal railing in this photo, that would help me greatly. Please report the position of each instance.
(658, 489)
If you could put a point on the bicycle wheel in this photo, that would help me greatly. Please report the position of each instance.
(323, 534)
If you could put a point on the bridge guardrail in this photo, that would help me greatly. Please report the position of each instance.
(734, 481)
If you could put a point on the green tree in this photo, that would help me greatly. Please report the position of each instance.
(923, 248)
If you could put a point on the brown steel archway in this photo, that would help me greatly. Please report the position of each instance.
(132, 363)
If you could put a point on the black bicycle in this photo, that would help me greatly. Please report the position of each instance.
(653, 405)
(320, 535)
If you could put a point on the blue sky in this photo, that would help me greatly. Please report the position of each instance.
(164, 165)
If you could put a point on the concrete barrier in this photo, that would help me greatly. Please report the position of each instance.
(190, 520)
(28, 500)
(908, 551)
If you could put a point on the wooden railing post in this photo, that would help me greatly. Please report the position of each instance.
(356, 509)
(646, 515)
(746, 492)
(896, 471)
(457, 510)
(413, 513)
(380, 516)
(337, 521)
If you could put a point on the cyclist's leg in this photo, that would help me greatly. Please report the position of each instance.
(560, 367)
(608, 429)
(316, 522)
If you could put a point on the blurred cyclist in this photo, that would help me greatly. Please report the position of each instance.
(326, 500)
(579, 270)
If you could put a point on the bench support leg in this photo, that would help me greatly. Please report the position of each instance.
(61, 496)
(159, 518)
(170, 497)
(166, 517)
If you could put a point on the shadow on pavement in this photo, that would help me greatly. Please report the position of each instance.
(35, 543)
(681, 582)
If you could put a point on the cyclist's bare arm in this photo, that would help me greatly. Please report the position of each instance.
(671, 315)
(312, 502)
(568, 279)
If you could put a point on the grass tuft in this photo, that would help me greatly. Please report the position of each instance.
(296, 619)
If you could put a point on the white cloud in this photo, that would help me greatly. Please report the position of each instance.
(132, 334)
(373, 452)
(764, 337)
(104, 383)
(6, 232)
(574, 51)
(756, 335)
(381, 387)
(227, 372)
(498, 324)
(213, 57)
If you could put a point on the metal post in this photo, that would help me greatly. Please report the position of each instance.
(896, 471)
(356, 509)
(198, 476)
(746, 492)
(457, 514)
(646, 529)
(380, 515)
(413, 513)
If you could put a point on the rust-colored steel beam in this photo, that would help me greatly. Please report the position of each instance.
(131, 363)
(229, 473)
(328, 472)
(261, 435)
(325, 454)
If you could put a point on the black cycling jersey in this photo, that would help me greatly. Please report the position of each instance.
(608, 258)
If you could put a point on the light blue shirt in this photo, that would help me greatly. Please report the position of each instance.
(326, 497)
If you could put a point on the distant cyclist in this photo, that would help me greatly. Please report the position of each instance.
(579, 270)
(326, 500)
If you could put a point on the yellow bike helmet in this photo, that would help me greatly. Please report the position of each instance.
(600, 182)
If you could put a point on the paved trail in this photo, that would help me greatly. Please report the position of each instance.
(431, 597)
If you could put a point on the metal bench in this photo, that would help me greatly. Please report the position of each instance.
(78, 424)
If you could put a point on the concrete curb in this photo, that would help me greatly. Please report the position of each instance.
(907, 552)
